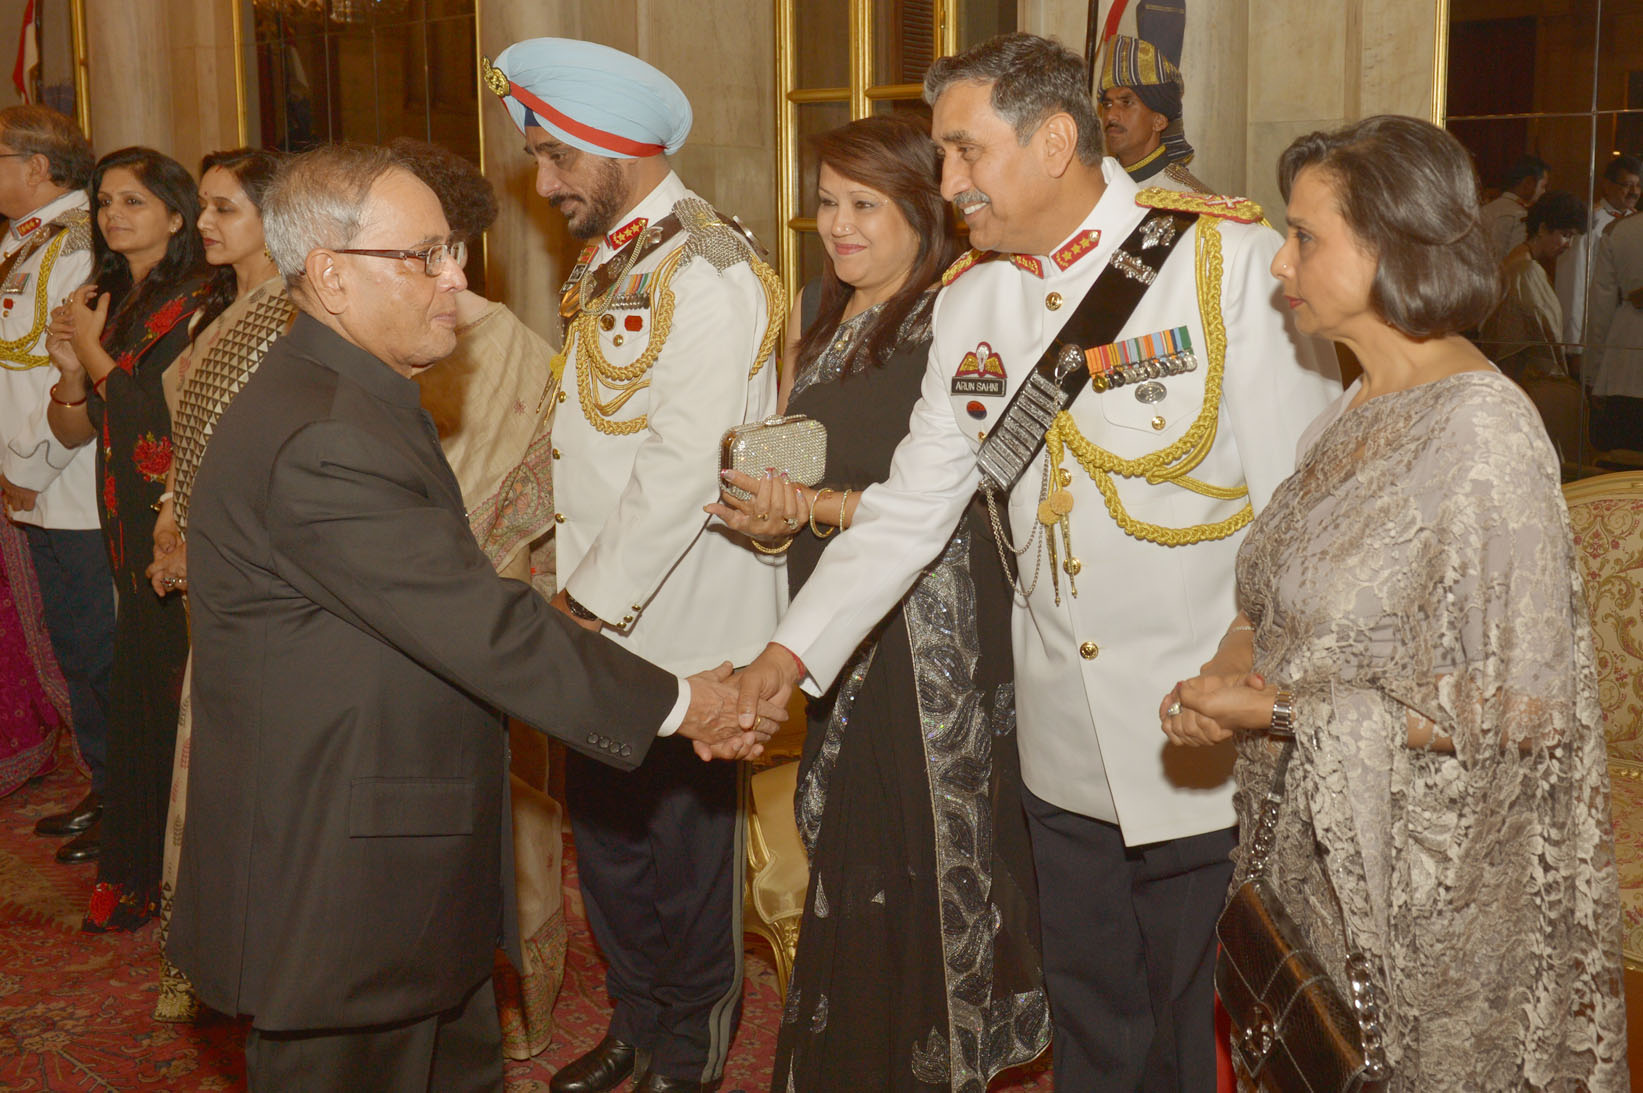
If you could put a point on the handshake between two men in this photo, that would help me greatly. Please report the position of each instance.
(723, 722)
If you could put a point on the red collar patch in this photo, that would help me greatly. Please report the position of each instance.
(624, 235)
(1028, 263)
(1075, 248)
(26, 226)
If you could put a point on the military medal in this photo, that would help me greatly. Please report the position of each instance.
(1143, 360)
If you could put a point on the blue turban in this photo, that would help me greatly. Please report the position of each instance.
(590, 96)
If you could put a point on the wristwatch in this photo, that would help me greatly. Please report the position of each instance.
(1283, 714)
(578, 610)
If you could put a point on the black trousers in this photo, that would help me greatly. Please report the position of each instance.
(77, 593)
(1129, 952)
(660, 854)
(458, 1051)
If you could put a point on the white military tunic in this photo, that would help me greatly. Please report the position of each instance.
(1090, 672)
(633, 544)
(34, 458)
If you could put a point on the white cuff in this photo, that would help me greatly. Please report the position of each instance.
(676, 716)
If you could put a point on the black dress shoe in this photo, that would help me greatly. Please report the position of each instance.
(84, 847)
(75, 820)
(604, 1068)
(661, 1083)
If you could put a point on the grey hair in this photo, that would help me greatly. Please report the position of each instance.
(40, 130)
(1032, 79)
(317, 200)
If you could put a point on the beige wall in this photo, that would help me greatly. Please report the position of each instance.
(1261, 73)
(720, 52)
(162, 74)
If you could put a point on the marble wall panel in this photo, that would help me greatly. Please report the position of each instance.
(1298, 55)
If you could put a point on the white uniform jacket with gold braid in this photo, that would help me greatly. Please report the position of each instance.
(36, 283)
(1152, 561)
(679, 351)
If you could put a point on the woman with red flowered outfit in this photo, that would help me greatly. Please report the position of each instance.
(113, 340)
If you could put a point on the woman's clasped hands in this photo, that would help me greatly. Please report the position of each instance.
(1210, 708)
(777, 510)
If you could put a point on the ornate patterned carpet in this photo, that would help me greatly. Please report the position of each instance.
(74, 1007)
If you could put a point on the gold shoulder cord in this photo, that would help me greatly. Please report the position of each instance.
(595, 374)
(12, 355)
(1169, 464)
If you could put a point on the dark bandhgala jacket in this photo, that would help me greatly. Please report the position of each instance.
(347, 862)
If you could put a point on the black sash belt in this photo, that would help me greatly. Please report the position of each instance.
(1063, 372)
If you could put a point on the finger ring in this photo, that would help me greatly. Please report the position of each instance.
(762, 516)
(790, 522)
(1174, 709)
(169, 582)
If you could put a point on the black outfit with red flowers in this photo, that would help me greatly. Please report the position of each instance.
(128, 409)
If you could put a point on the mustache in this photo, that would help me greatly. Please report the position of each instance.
(972, 197)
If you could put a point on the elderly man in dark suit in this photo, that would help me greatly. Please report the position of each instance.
(343, 878)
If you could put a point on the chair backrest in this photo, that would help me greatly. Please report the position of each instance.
(1606, 513)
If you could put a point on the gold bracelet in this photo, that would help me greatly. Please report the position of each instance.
(814, 505)
(844, 503)
(762, 549)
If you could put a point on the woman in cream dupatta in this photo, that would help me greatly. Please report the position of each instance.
(198, 387)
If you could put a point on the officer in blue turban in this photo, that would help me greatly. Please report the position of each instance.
(671, 322)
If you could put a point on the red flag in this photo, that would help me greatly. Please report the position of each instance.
(28, 54)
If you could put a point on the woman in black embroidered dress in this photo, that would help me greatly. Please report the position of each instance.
(112, 340)
(917, 964)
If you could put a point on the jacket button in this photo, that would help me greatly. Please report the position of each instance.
(560, 397)
(627, 750)
(1073, 567)
(593, 738)
(981, 435)
(1053, 301)
(1158, 422)
(556, 453)
(1089, 650)
(559, 518)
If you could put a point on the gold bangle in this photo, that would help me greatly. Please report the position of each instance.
(814, 505)
(844, 503)
(762, 549)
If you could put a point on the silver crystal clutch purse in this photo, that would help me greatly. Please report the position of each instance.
(795, 444)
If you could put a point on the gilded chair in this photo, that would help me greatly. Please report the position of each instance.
(778, 870)
(1606, 513)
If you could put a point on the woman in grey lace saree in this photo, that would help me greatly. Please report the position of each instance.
(917, 966)
(1412, 588)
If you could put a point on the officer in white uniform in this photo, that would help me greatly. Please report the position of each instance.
(51, 490)
(1130, 835)
(672, 322)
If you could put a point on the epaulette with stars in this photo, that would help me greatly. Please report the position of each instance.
(1241, 209)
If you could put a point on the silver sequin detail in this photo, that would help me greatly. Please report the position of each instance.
(822, 909)
(878, 897)
(839, 357)
(985, 1034)
(818, 1019)
(709, 237)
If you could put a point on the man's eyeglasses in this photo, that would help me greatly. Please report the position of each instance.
(433, 258)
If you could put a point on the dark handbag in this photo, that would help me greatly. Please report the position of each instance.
(1292, 1028)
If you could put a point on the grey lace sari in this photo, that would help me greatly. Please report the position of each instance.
(1419, 562)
